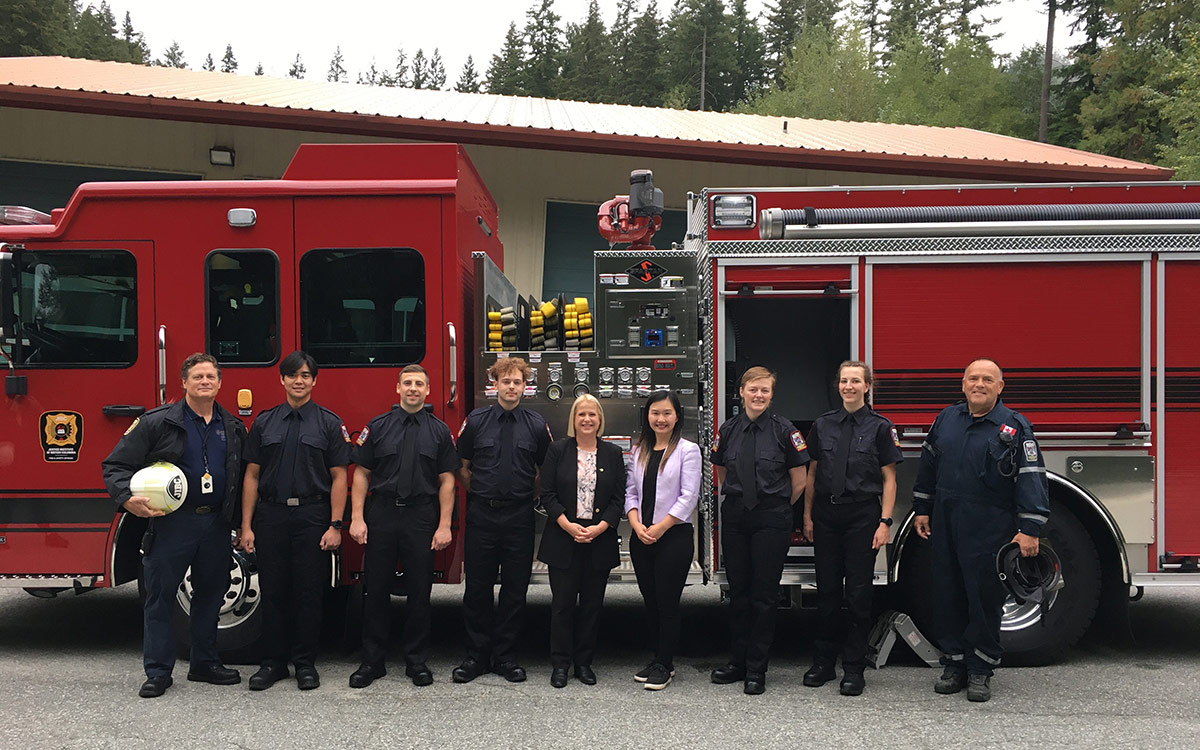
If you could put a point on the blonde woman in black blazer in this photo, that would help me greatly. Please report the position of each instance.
(583, 492)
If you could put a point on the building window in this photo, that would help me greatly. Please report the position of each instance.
(363, 307)
(243, 306)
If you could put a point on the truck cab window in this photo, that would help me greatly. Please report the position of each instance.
(75, 308)
(363, 307)
(243, 306)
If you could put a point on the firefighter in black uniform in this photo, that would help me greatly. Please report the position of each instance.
(760, 459)
(981, 484)
(205, 442)
(848, 504)
(293, 500)
(405, 461)
(501, 447)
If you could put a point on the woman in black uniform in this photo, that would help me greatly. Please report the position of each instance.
(848, 505)
(760, 461)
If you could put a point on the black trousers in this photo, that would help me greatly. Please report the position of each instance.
(183, 540)
(498, 542)
(401, 534)
(292, 571)
(661, 569)
(576, 597)
(754, 555)
(845, 567)
(968, 596)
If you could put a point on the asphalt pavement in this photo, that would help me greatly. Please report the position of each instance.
(70, 669)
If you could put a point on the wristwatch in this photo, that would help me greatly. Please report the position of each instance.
(887, 521)
(336, 524)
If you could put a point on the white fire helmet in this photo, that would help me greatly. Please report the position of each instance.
(162, 482)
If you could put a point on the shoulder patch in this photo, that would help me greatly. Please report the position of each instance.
(717, 441)
(548, 433)
(462, 427)
(362, 436)
(798, 441)
(1031, 450)
(895, 437)
(134, 424)
(345, 433)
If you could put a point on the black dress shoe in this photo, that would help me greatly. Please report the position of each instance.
(467, 671)
(308, 679)
(266, 676)
(366, 674)
(510, 671)
(819, 674)
(728, 674)
(420, 675)
(558, 677)
(155, 686)
(214, 674)
(584, 674)
(756, 684)
(853, 683)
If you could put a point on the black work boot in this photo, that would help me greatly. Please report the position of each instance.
(819, 674)
(952, 681)
(979, 689)
(853, 682)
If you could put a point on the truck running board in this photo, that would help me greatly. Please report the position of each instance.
(883, 636)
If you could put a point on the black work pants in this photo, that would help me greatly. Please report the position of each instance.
(182, 540)
(576, 597)
(498, 542)
(845, 562)
(754, 547)
(292, 570)
(968, 596)
(401, 534)
(661, 569)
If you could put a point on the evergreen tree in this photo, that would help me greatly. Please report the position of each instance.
(437, 71)
(135, 42)
(297, 70)
(910, 83)
(399, 78)
(173, 57)
(748, 44)
(586, 62)
(1182, 111)
(965, 22)
(337, 68)
(915, 18)
(783, 20)
(95, 36)
(869, 16)
(1024, 82)
(540, 70)
(420, 70)
(620, 35)
(258, 70)
(229, 63)
(36, 27)
(699, 32)
(504, 72)
(371, 76)
(468, 80)
(1075, 81)
(209, 65)
(644, 79)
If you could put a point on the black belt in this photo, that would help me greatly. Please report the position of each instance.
(403, 502)
(293, 502)
(849, 499)
(200, 510)
(766, 501)
(498, 502)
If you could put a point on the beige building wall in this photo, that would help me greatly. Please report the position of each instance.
(522, 180)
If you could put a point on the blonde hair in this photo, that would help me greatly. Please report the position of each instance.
(586, 398)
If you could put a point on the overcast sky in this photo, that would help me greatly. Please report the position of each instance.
(273, 31)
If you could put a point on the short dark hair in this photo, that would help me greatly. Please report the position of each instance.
(413, 368)
(292, 363)
(195, 359)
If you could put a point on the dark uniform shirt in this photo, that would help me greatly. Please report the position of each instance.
(873, 444)
(993, 459)
(321, 442)
(382, 444)
(480, 442)
(778, 447)
(203, 451)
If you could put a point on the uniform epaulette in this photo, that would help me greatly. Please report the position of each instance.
(830, 413)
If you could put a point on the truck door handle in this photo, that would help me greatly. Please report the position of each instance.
(123, 410)
(453, 363)
(162, 365)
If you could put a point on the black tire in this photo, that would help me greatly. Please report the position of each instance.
(239, 626)
(1026, 641)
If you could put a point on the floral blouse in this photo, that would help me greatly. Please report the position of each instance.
(586, 482)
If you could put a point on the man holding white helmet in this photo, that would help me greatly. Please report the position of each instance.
(205, 442)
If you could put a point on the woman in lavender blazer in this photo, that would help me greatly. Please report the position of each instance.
(661, 491)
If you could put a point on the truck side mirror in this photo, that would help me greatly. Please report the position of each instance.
(8, 293)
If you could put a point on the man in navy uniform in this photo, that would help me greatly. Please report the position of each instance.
(981, 484)
(205, 442)
(293, 499)
(501, 447)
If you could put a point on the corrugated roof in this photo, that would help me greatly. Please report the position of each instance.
(167, 93)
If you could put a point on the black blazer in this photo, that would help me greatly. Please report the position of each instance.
(559, 479)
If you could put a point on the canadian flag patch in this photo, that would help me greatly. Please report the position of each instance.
(1008, 430)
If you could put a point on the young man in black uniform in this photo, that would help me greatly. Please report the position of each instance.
(501, 447)
(760, 461)
(981, 484)
(848, 504)
(405, 461)
(293, 500)
(205, 442)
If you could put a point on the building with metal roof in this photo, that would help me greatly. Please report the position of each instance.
(548, 163)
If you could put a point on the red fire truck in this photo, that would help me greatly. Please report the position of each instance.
(374, 256)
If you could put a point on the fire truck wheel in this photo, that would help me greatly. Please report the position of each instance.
(239, 623)
(1026, 641)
